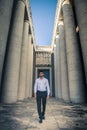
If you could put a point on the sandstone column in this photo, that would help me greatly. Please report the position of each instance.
(81, 16)
(11, 76)
(28, 80)
(23, 63)
(5, 19)
(64, 69)
(56, 90)
(58, 67)
(31, 70)
(76, 82)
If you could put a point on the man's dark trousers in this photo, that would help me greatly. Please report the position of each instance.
(41, 103)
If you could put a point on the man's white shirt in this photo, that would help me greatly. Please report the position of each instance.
(41, 85)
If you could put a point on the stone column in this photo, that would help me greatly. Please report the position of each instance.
(76, 82)
(11, 75)
(5, 19)
(23, 63)
(81, 16)
(64, 69)
(28, 80)
(56, 90)
(58, 67)
(31, 70)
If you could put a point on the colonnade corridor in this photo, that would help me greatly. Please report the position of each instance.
(64, 63)
(59, 116)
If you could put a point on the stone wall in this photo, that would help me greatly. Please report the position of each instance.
(44, 61)
(43, 58)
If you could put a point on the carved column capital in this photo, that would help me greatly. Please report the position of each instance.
(60, 23)
(57, 36)
(27, 21)
(24, 1)
(65, 2)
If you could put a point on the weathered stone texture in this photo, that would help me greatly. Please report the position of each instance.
(58, 67)
(5, 19)
(11, 75)
(64, 72)
(75, 74)
(23, 63)
(81, 16)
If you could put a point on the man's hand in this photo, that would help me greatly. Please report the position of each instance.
(35, 95)
(48, 96)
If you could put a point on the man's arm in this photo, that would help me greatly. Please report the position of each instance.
(35, 89)
(48, 89)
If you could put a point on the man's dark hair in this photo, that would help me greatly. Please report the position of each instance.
(41, 71)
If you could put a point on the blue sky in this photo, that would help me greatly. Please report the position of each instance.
(43, 15)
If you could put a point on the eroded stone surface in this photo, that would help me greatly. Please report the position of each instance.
(59, 116)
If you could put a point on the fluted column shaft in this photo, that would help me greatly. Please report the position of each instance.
(81, 16)
(76, 82)
(11, 76)
(64, 69)
(5, 18)
(31, 69)
(58, 67)
(28, 80)
(56, 88)
(23, 63)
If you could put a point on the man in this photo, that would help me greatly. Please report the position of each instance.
(41, 92)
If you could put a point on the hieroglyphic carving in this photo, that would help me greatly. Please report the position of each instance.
(43, 58)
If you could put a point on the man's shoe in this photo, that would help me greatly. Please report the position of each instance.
(40, 121)
(43, 117)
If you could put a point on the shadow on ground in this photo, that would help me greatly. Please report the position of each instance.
(59, 116)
